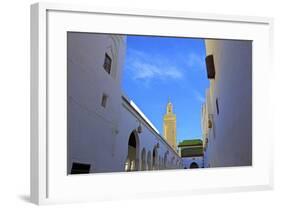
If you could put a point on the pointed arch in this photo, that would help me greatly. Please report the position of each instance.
(166, 160)
(155, 158)
(132, 162)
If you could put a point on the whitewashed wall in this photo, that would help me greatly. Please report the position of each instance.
(230, 138)
(90, 126)
(188, 160)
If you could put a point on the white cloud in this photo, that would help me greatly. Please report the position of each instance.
(195, 61)
(150, 71)
(145, 67)
(199, 96)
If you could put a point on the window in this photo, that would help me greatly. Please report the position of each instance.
(107, 63)
(210, 124)
(104, 100)
(80, 168)
(210, 66)
(217, 105)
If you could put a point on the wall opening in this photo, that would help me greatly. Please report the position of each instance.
(143, 160)
(193, 165)
(80, 168)
(132, 158)
(154, 159)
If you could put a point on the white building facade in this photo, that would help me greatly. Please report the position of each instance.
(106, 131)
(227, 112)
(192, 162)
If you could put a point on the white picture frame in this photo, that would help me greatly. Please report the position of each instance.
(49, 186)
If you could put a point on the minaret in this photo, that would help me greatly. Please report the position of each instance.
(169, 126)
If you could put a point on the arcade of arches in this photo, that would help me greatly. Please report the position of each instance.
(148, 159)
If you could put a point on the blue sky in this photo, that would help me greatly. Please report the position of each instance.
(157, 68)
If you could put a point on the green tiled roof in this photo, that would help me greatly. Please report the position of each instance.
(192, 152)
(193, 142)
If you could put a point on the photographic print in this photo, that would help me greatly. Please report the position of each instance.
(150, 103)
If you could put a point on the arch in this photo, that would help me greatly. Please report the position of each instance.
(132, 162)
(159, 163)
(193, 165)
(143, 160)
(166, 160)
(155, 158)
(112, 51)
(149, 166)
(172, 162)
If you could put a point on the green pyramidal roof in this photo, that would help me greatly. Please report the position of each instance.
(192, 142)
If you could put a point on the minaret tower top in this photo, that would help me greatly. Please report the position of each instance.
(169, 125)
